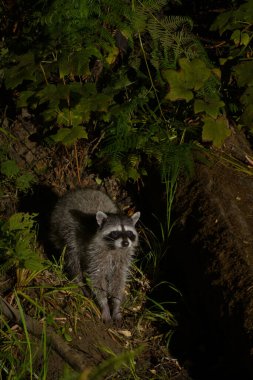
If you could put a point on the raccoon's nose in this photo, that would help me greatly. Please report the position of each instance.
(125, 243)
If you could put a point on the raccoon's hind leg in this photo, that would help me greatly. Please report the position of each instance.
(72, 264)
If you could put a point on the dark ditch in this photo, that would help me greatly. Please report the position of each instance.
(209, 260)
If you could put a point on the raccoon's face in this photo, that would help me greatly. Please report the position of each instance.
(118, 231)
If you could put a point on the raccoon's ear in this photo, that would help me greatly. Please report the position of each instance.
(135, 217)
(101, 217)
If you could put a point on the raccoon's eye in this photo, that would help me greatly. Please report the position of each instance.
(130, 235)
(114, 235)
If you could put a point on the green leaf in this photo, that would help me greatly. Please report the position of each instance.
(9, 168)
(245, 39)
(23, 70)
(77, 63)
(25, 181)
(191, 77)
(196, 71)
(209, 106)
(221, 23)
(240, 38)
(243, 73)
(64, 118)
(20, 221)
(247, 116)
(179, 86)
(215, 130)
(53, 94)
(50, 114)
(113, 54)
(247, 96)
(68, 136)
(33, 262)
(236, 37)
(23, 98)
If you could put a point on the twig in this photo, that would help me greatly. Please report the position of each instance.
(77, 163)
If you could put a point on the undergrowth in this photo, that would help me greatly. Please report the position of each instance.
(41, 291)
(125, 76)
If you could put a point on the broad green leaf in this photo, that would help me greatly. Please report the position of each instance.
(63, 118)
(215, 130)
(179, 86)
(74, 64)
(77, 132)
(23, 99)
(61, 134)
(133, 173)
(9, 168)
(221, 23)
(217, 72)
(102, 102)
(196, 71)
(240, 38)
(81, 112)
(236, 37)
(77, 118)
(77, 62)
(20, 221)
(210, 106)
(69, 136)
(50, 114)
(33, 262)
(112, 56)
(244, 73)
(191, 76)
(25, 181)
(53, 94)
(247, 97)
(23, 70)
(245, 39)
(247, 116)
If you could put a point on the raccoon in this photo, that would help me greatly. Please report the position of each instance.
(99, 240)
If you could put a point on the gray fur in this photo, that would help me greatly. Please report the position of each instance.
(84, 221)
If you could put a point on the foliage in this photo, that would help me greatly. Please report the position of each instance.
(114, 363)
(124, 72)
(60, 306)
(236, 60)
(18, 243)
(13, 176)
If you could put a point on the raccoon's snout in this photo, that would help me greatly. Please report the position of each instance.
(125, 243)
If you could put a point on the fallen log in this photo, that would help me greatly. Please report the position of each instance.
(67, 353)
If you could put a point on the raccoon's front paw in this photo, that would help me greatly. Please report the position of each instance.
(106, 316)
(117, 318)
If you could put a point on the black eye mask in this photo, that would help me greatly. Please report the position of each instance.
(114, 235)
